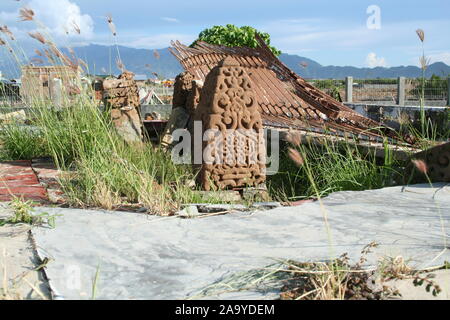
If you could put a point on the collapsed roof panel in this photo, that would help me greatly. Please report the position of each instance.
(284, 98)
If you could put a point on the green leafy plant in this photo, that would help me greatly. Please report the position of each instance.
(233, 36)
(23, 214)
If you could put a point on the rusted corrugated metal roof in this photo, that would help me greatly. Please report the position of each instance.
(285, 99)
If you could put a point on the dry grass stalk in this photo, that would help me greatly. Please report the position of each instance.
(49, 56)
(421, 166)
(120, 65)
(296, 157)
(421, 35)
(26, 14)
(38, 36)
(82, 63)
(8, 32)
(424, 62)
(73, 89)
(111, 25)
(76, 27)
(2, 42)
(156, 54)
(335, 280)
(303, 64)
(294, 139)
(72, 53)
(37, 61)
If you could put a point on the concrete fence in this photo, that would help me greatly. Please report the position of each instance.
(402, 92)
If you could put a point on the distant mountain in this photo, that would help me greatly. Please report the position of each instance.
(102, 59)
(308, 68)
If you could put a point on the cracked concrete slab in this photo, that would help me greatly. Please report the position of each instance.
(145, 257)
(18, 261)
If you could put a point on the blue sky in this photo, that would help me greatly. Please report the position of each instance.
(330, 32)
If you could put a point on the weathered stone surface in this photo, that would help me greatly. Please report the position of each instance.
(121, 96)
(234, 155)
(145, 257)
(182, 88)
(178, 120)
(222, 196)
(437, 161)
(193, 98)
(18, 262)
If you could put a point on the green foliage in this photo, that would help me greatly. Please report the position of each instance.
(23, 213)
(232, 36)
(21, 143)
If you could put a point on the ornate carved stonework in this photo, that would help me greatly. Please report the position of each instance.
(182, 88)
(193, 98)
(437, 161)
(121, 97)
(234, 153)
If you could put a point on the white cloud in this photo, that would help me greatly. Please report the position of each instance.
(60, 15)
(168, 19)
(440, 57)
(373, 61)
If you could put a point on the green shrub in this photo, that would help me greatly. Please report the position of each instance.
(232, 36)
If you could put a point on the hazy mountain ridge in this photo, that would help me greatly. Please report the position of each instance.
(102, 59)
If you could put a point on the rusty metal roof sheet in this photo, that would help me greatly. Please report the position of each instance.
(285, 99)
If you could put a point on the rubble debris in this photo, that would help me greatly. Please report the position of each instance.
(256, 194)
(153, 116)
(437, 166)
(13, 116)
(121, 97)
(222, 196)
(228, 105)
(189, 212)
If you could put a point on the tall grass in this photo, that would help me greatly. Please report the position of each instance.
(332, 167)
(19, 142)
(108, 171)
(100, 168)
